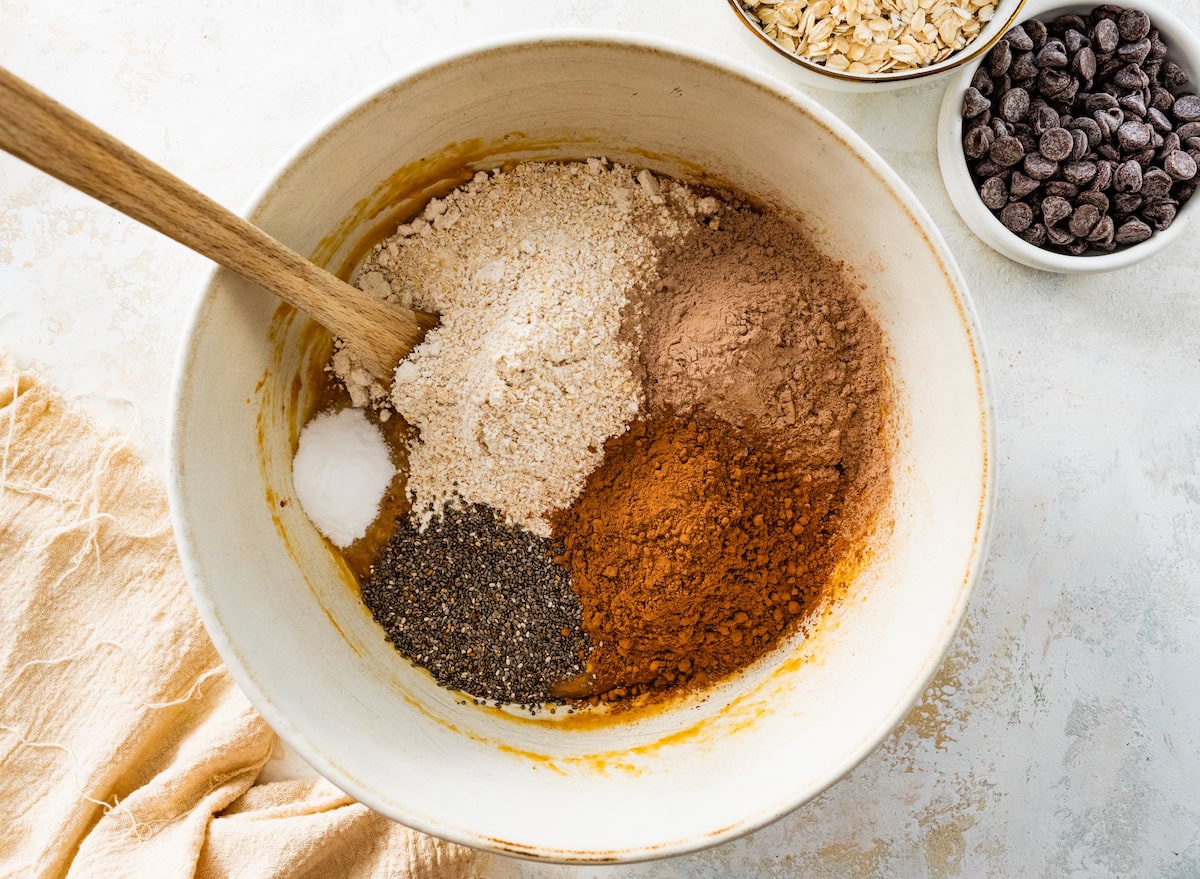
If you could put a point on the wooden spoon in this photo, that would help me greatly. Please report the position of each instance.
(47, 135)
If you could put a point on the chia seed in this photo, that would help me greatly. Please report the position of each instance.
(481, 605)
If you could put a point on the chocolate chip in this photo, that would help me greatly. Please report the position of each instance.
(1055, 209)
(1103, 232)
(1170, 143)
(1158, 119)
(1133, 135)
(987, 168)
(1039, 167)
(1006, 151)
(1018, 39)
(1021, 185)
(1096, 199)
(1079, 145)
(1189, 129)
(1001, 128)
(1132, 232)
(1173, 76)
(1053, 54)
(994, 193)
(1131, 76)
(1000, 58)
(982, 83)
(1107, 151)
(1055, 144)
(1179, 165)
(1100, 101)
(1080, 173)
(1187, 108)
(1106, 68)
(1156, 183)
(1084, 64)
(1092, 129)
(1144, 157)
(1017, 216)
(1134, 53)
(1068, 22)
(1035, 234)
(1062, 189)
(1055, 84)
(1159, 214)
(1023, 67)
(1083, 220)
(1059, 235)
(1106, 35)
(1074, 40)
(1014, 104)
(1043, 117)
(1133, 24)
(1158, 49)
(1134, 105)
(1037, 32)
(1126, 202)
(1109, 120)
(974, 103)
(1161, 99)
(1128, 177)
(977, 141)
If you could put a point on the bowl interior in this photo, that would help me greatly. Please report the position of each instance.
(298, 640)
(1184, 49)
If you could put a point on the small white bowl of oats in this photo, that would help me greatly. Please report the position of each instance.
(876, 45)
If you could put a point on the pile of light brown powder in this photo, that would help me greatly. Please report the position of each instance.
(516, 390)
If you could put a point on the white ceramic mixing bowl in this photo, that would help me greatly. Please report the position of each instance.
(276, 599)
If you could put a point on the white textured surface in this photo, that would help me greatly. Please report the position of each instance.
(1062, 738)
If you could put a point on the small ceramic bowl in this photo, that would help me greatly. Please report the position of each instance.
(819, 76)
(1184, 50)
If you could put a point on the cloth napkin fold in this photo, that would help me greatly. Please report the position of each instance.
(126, 749)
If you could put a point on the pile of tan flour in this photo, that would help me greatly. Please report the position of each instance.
(527, 375)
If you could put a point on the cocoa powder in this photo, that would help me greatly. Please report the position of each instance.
(693, 547)
(713, 526)
(751, 323)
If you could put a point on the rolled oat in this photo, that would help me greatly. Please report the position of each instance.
(871, 36)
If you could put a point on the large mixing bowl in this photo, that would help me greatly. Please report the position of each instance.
(279, 604)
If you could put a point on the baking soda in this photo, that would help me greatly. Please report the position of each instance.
(341, 470)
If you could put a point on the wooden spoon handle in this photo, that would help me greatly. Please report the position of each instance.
(50, 137)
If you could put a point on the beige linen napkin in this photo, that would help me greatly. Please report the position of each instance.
(125, 748)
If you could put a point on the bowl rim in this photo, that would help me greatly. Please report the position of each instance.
(987, 226)
(965, 55)
(763, 815)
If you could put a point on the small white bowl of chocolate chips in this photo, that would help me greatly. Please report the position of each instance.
(1074, 145)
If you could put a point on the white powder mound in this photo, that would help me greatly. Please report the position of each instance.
(341, 470)
(516, 391)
